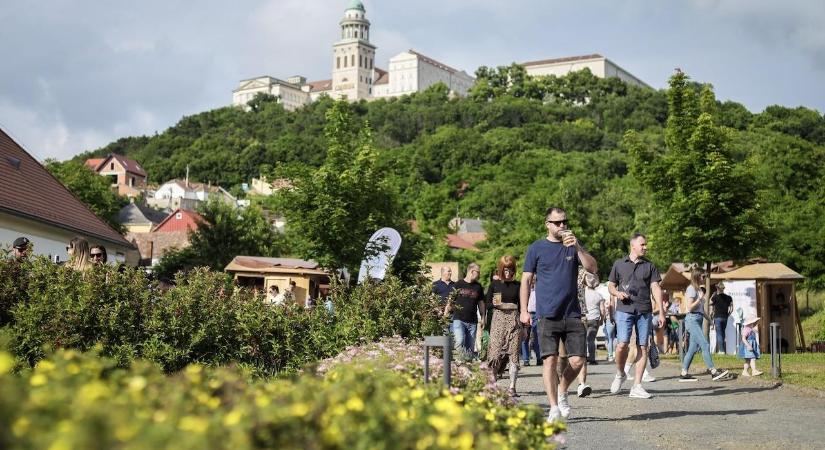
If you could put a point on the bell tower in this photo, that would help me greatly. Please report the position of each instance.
(353, 56)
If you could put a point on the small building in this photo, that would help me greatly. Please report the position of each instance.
(262, 186)
(769, 291)
(180, 220)
(171, 233)
(139, 219)
(126, 174)
(35, 205)
(598, 65)
(261, 272)
(185, 194)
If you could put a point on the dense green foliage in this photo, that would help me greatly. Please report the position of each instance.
(90, 188)
(223, 232)
(201, 319)
(516, 145)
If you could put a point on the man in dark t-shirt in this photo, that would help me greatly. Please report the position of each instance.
(444, 286)
(469, 298)
(722, 308)
(555, 261)
(632, 281)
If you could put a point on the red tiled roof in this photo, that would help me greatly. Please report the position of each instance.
(28, 190)
(562, 60)
(130, 165)
(93, 163)
(188, 220)
(381, 76)
(453, 241)
(320, 85)
(158, 243)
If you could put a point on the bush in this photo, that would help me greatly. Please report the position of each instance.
(75, 400)
(200, 320)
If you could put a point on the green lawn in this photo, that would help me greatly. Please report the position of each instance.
(813, 315)
(801, 369)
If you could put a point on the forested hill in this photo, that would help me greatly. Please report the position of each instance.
(514, 146)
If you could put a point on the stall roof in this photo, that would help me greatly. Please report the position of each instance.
(674, 279)
(767, 271)
(262, 264)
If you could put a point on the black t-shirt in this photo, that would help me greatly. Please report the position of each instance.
(720, 303)
(509, 291)
(443, 289)
(634, 279)
(468, 296)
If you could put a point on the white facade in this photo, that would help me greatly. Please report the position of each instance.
(50, 241)
(598, 65)
(354, 74)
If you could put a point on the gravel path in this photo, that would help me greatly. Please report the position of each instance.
(741, 413)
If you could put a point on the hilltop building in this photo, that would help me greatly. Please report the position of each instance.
(598, 65)
(354, 74)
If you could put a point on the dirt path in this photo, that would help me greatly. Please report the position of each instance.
(734, 414)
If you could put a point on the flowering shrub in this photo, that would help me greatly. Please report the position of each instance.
(200, 320)
(77, 400)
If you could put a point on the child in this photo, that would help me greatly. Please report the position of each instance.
(749, 347)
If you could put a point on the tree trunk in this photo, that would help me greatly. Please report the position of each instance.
(708, 312)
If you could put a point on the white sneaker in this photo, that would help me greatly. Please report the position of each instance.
(637, 391)
(628, 372)
(648, 378)
(554, 415)
(584, 390)
(616, 386)
(564, 406)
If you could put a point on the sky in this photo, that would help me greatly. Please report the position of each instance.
(76, 75)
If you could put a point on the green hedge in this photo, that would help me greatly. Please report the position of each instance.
(200, 320)
(77, 400)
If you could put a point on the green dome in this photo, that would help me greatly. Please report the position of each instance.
(356, 4)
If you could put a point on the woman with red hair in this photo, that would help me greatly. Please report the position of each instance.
(505, 330)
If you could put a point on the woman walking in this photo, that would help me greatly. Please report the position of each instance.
(695, 300)
(505, 329)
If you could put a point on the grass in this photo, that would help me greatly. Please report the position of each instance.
(801, 369)
(812, 313)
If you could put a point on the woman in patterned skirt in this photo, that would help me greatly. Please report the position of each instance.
(505, 330)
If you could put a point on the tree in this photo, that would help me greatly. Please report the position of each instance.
(332, 211)
(90, 188)
(705, 205)
(223, 233)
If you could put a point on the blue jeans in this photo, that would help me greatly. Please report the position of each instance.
(693, 324)
(625, 323)
(534, 337)
(720, 323)
(464, 335)
(610, 337)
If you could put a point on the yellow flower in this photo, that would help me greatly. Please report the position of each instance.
(159, 416)
(93, 391)
(73, 369)
(302, 409)
(403, 415)
(521, 414)
(20, 426)
(465, 441)
(60, 444)
(459, 398)
(416, 393)
(439, 423)
(513, 421)
(355, 404)
(6, 362)
(137, 383)
(262, 401)
(233, 418)
(193, 424)
(38, 379)
(45, 366)
(480, 399)
(490, 416)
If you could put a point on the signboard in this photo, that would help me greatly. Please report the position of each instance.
(380, 250)
(744, 305)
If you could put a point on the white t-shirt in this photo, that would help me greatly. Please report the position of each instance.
(593, 300)
(531, 302)
(693, 294)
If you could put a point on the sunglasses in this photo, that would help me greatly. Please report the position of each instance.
(96, 255)
(558, 222)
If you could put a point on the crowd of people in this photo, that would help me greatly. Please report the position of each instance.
(555, 312)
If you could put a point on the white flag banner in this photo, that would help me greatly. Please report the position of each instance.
(743, 294)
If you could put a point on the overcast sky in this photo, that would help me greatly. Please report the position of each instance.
(76, 75)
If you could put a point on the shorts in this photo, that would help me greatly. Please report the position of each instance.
(625, 322)
(569, 331)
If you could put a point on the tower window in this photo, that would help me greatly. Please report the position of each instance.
(360, 61)
(345, 60)
(337, 62)
(356, 34)
(353, 60)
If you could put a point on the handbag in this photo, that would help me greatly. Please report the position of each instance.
(653, 353)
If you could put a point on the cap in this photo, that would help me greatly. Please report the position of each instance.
(21, 242)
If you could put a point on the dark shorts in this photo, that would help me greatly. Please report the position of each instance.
(569, 331)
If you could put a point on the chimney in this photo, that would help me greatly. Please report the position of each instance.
(187, 176)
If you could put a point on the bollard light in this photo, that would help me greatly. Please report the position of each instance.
(776, 350)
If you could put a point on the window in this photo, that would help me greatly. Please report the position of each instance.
(337, 62)
(360, 61)
(178, 216)
(345, 60)
(132, 182)
(356, 34)
(353, 60)
(111, 166)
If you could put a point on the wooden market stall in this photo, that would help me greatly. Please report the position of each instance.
(771, 288)
(260, 273)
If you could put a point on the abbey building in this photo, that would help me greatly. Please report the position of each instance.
(354, 74)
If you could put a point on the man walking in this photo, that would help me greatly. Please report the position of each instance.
(595, 314)
(469, 298)
(632, 281)
(722, 308)
(555, 261)
(444, 286)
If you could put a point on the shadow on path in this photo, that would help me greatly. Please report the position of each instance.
(668, 415)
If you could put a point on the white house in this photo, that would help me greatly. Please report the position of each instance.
(598, 65)
(186, 194)
(35, 205)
